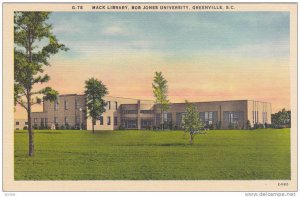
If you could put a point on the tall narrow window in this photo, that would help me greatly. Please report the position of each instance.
(56, 105)
(116, 105)
(108, 120)
(55, 120)
(66, 104)
(76, 104)
(66, 120)
(108, 105)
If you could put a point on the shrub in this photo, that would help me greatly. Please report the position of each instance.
(248, 126)
(62, 127)
(56, 126)
(211, 127)
(67, 126)
(25, 128)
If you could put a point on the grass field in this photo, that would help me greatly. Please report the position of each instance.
(154, 155)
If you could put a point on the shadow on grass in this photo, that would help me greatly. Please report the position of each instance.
(101, 132)
(163, 145)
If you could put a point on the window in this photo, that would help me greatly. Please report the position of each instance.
(26, 123)
(55, 120)
(129, 124)
(264, 117)
(108, 120)
(115, 121)
(77, 119)
(56, 105)
(129, 111)
(66, 105)
(17, 123)
(179, 118)
(116, 103)
(108, 105)
(35, 121)
(146, 111)
(101, 120)
(46, 121)
(76, 104)
(146, 123)
(42, 121)
(209, 118)
(255, 116)
(66, 120)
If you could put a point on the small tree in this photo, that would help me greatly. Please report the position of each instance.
(95, 92)
(281, 118)
(191, 121)
(30, 59)
(160, 92)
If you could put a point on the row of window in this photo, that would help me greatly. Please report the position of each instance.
(66, 105)
(18, 123)
(255, 117)
(136, 111)
(108, 120)
(44, 121)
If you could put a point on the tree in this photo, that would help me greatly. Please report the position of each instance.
(31, 57)
(160, 92)
(95, 91)
(191, 121)
(281, 118)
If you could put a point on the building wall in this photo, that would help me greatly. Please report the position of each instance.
(140, 114)
(259, 112)
(66, 110)
(19, 124)
(115, 113)
(218, 109)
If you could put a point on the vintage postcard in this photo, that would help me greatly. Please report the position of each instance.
(150, 97)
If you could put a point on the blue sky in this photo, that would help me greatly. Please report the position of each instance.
(174, 34)
(205, 56)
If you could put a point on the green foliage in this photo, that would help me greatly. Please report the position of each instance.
(191, 121)
(160, 92)
(152, 155)
(281, 118)
(30, 59)
(95, 91)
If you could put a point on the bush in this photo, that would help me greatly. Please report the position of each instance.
(35, 126)
(62, 127)
(56, 126)
(25, 128)
(67, 126)
(211, 127)
(248, 126)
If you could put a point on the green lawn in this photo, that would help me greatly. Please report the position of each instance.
(154, 155)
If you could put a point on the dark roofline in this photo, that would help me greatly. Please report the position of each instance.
(221, 101)
(106, 96)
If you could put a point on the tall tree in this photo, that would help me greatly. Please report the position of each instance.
(95, 91)
(34, 45)
(160, 92)
(191, 121)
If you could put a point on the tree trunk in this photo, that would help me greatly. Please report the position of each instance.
(30, 131)
(93, 124)
(191, 139)
(161, 117)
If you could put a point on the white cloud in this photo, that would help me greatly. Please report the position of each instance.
(114, 31)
